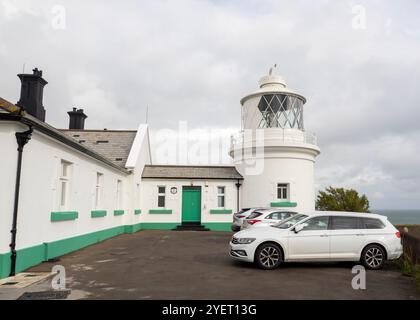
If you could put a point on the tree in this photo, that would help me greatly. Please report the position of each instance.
(339, 199)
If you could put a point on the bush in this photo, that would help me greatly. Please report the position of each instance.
(339, 199)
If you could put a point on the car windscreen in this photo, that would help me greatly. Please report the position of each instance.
(286, 224)
(254, 215)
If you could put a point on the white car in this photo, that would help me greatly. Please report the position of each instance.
(320, 236)
(266, 217)
(239, 217)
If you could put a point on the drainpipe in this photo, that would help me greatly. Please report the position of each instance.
(238, 187)
(22, 138)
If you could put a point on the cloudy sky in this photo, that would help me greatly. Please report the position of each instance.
(357, 62)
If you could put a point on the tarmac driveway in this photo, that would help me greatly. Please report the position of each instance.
(196, 265)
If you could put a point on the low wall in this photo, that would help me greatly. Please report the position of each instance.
(410, 236)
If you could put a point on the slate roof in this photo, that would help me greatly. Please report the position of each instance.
(191, 172)
(114, 145)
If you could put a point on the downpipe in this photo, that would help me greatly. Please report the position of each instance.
(22, 139)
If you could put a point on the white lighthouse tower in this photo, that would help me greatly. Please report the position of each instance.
(273, 152)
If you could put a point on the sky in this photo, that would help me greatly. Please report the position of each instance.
(186, 64)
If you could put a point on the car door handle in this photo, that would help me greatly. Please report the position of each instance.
(324, 235)
(360, 235)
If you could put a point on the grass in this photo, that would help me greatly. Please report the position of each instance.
(408, 268)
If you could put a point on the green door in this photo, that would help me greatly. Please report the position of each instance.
(191, 204)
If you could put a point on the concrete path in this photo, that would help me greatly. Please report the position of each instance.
(196, 265)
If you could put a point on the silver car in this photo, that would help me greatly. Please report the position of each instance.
(267, 217)
(239, 217)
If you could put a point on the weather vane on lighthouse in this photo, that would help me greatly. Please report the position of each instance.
(271, 69)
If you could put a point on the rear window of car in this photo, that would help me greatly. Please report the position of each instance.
(344, 223)
(254, 215)
(372, 223)
(282, 215)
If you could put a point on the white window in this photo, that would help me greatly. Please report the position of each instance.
(98, 190)
(138, 194)
(65, 172)
(119, 194)
(221, 197)
(283, 191)
(161, 196)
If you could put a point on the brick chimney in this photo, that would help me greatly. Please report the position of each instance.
(31, 93)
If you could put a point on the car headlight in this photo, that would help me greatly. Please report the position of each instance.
(243, 240)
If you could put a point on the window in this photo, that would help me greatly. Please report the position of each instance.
(370, 223)
(343, 223)
(254, 215)
(221, 197)
(161, 196)
(283, 191)
(64, 184)
(317, 223)
(98, 190)
(119, 194)
(282, 215)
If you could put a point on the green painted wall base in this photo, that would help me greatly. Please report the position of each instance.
(283, 204)
(32, 256)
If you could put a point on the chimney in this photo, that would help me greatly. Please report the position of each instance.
(77, 119)
(31, 93)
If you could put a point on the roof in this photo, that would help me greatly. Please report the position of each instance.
(11, 112)
(114, 145)
(191, 172)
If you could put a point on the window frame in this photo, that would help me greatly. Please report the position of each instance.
(221, 195)
(99, 190)
(284, 187)
(160, 195)
(119, 193)
(64, 179)
(317, 217)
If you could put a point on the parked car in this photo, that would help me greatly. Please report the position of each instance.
(320, 236)
(266, 217)
(240, 216)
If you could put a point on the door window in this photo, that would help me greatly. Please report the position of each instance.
(280, 215)
(317, 223)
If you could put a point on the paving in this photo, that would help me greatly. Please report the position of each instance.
(196, 265)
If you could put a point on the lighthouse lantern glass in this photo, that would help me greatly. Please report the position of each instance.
(281, 111)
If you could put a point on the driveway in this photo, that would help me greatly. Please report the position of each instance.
(196, 265)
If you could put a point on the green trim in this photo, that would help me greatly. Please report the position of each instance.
(159, 226)
(160, 211)
(284, 204)
(32, 256)
(64, 216)
(98, 213)
(218, 226)
(220, 211)
(137, 211)
(119, 212)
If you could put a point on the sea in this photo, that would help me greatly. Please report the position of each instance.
(400, 216)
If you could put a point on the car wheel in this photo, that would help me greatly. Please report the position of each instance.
(268, 256)
(373, 257)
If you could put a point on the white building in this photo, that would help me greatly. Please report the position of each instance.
(76, 187)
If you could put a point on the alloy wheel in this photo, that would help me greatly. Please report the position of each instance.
(374, 257)
(269, 256)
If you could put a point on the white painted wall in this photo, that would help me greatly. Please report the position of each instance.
(39, 194)
(174, 201)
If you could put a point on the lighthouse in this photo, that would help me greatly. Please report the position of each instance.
(273, 151)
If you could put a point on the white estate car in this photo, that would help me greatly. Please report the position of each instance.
(266, 217)
(320, 236)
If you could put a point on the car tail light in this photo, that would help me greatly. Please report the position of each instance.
(398, 234)
(240, 217)
(253, 221)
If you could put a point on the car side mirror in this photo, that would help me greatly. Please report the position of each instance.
(300, 227)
